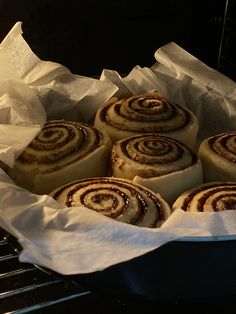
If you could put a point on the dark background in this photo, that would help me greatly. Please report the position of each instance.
(88, 36)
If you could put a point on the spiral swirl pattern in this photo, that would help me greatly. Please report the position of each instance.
(216, 196)
(218, 156)
(116, 198)
(144, 114)
(224, 145)
(61, 143)
(150, 155)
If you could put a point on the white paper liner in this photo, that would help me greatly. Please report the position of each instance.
(87, 241)
(21, 118)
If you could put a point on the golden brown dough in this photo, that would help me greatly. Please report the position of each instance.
(208, 197)
(147, 114)
(218, 155)
(119, 199)
(160, 163)
(62, 152)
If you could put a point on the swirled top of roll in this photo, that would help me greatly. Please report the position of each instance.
(61, 143)
(214, 196)
(144, 114)
(224, 145)
(119, 199)
(150, 155)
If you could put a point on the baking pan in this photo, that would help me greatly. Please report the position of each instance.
(194, 269)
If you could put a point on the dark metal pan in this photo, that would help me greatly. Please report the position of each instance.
(180, 271)
(192, 270)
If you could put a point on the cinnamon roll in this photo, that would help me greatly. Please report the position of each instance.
(218, 156)
(119, 199)
(208, 197)
(160, 163)
(63, 151)
(147, 114)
